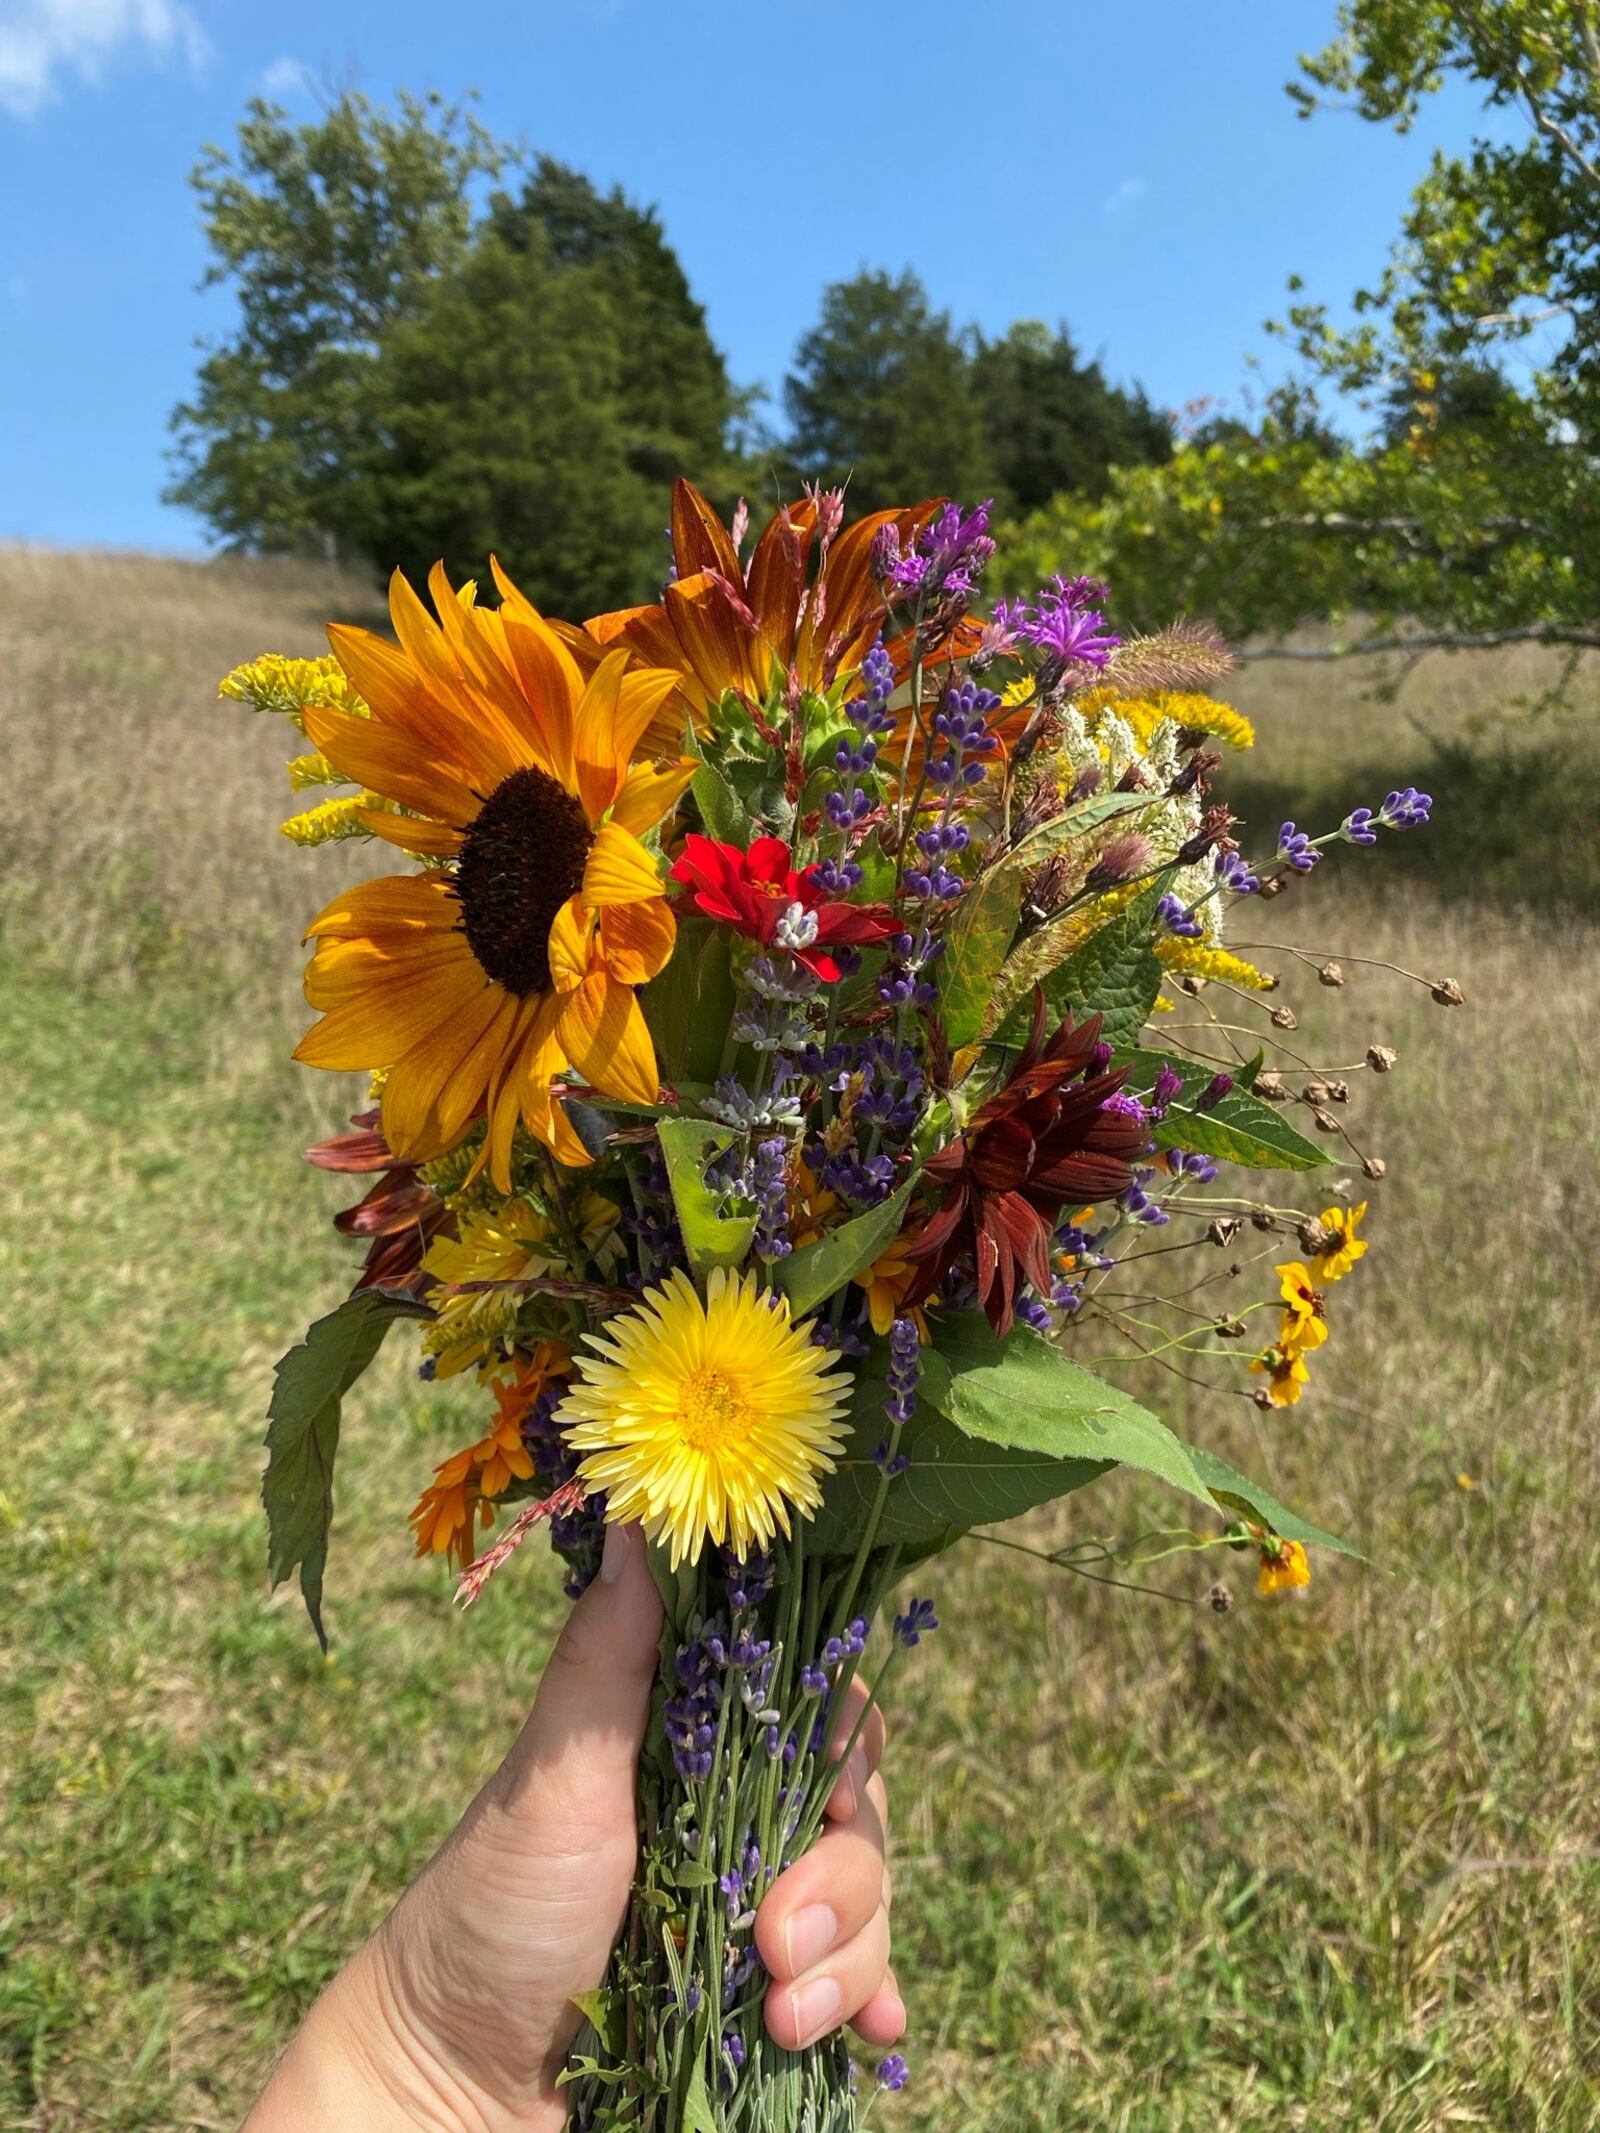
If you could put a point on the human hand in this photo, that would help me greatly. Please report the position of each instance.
(457, 2014)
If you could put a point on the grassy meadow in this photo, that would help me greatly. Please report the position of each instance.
(1324, 1863)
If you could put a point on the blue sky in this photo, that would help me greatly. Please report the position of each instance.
(1134, 170)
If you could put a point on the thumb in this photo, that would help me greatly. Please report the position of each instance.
(583, 1735)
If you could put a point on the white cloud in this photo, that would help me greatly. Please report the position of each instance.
(1126, 193)
(44, 43)
(286, 77)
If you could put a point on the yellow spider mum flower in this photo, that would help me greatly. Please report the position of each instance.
(478, 982)
(706, 1421)
(1343, 1248)
(1284, 1567)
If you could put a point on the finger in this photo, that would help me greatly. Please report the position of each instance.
(882, 2021)
(583, 1735)
(825, 1898)
(834, 1992)
(864, 1757)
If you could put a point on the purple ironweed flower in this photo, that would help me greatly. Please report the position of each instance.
(1212, 1094)
(1066, 624)
(1167, 1084)
(1296, 849)
(917, 1622)
(1099, 1059)
(1126, 1105)
(950, 554)
(1406, 810)
(1235, 875)
(1174, 915)
(893, 2073)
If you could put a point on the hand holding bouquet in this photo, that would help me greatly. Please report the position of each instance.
(767, 1100)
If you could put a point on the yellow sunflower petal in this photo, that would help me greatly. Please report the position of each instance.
(636, 940)
(650, 791)
(618, 870)
(427, 840)
(603, 1032)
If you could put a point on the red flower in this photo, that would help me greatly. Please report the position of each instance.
(399, 1213)
(752, 890)
(1047, 1139)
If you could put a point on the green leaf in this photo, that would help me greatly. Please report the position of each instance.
(303, 1434)
(710, 1237)
(1236, 1492)
(719, 805)
(1114, 974)
(1238, 1128)
(980, 932)
(954, 1481)
(810, 1276)
(1024, 1394)
(689, 1006)
(605, 2013)
(698, 2116)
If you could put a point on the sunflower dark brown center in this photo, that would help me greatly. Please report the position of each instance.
(520, 861)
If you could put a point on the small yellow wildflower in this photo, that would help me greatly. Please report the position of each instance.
(1343, 1248)
(1199, 959)
(313, 769)
(501, 1246)
(1304, 1326)
(1284, 1567)
(291, 687)
(1286, 1373)
(331, 821)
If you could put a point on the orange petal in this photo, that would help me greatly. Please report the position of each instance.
(568, 950)
(434, 780)
(714, 638)
(390, 903)
(700, 541)
(618, 869)
(603, 1033)
(636, 940)
(596, 758)
(428, 840)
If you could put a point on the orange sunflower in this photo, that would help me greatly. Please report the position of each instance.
(514, 958)
(801, 602)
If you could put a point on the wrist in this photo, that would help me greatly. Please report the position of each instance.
(357, 2061)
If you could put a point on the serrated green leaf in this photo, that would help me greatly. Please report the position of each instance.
(981, 929)
(689, 1006)
(1237, 1128)
(811, 1275)
(710, 1238)
(1024, 1394)
(954, 1481)
(1236, 1492)
(719, 805)
(309, 1386)
(1114, 974)
(606, 2015)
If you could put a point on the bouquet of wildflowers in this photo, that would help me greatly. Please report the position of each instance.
(763, 1017)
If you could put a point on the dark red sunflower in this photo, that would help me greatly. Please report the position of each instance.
(398, 1212)
(752, 890)
(1050, 1138)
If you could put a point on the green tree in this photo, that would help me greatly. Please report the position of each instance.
(506, 430)
(882, 394)
(1053, 422)
(328, 233)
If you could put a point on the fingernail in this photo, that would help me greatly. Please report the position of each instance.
(811, 1933)
(857, 1771)
(814, 2006)
(614, 1555)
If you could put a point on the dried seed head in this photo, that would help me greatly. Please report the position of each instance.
(1331, 974)
(1326, 1122)
(1338, 1092)
(1373, 1166)
(1284, 1018)
(1448, 993)
(1262, 1397)
(1229, 1329)
(1269, 1087)
(1271, 885)
(1260, 1219)
(1191, 985)
(1223, 1230)
(1219, 1598)
(1313, 1236)
(1381, 1057)
(1314, 1092)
